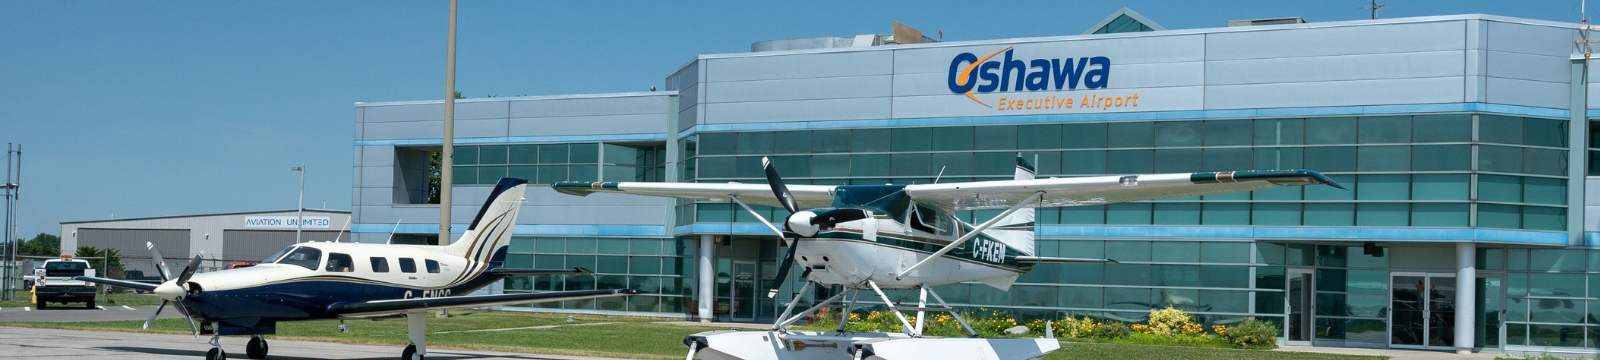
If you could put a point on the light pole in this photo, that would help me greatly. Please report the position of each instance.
(299, 211)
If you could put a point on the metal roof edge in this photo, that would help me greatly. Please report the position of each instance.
(334, 211)
(524, 98)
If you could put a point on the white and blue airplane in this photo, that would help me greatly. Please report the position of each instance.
(866, 238)
(325, 280)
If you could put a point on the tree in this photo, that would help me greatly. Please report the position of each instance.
(110, 265)
(41, 245)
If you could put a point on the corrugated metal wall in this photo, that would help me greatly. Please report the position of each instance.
(253, 245)
(173, 244)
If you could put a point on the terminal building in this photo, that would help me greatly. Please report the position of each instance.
(1463, 141)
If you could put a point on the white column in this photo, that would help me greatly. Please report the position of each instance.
(1466, 295)
(708, 278)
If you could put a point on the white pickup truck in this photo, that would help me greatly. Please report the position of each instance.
(54, 282)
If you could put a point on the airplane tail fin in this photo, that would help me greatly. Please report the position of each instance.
(491, 228)
(1016, 230)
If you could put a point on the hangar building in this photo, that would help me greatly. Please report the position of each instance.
(224, 238)
(1464, 141)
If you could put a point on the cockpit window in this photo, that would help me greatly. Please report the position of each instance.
(340, 263)
(274, 257)
(929, 220)
(304, 257)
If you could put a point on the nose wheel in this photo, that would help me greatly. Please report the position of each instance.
(257, 348)
(410, 353)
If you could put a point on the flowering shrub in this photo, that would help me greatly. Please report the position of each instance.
(1076, 327)
(1170, 322)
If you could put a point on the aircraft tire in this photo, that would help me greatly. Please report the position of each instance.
(256, 348)
(410, 353)
(216, 354)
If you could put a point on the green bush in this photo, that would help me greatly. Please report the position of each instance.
(1251, 333)
(1076, 327)
(1171, 322)
(1111, 330)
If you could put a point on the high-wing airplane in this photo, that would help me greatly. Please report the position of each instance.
(872, 237)
(323, 280)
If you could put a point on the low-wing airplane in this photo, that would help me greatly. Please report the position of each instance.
(323, 280)
(872, 237)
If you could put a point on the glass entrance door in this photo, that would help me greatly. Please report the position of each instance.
(744, 291)
(1299, 312)
(1422, 314)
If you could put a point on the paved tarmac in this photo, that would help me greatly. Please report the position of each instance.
(22, 343)
(79, 314)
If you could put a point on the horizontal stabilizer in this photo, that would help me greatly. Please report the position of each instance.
(531, 272)
(1060, 260)
(122, 283)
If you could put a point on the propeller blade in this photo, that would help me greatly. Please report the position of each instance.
(834, 217)
(161, 265)
(188, 270)
(153, 316)
(783, 270)
(777, 187)
(187, 319)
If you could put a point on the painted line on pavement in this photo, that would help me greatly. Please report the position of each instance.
(126, 307)
(27, 309)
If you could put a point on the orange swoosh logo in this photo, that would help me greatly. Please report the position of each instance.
(962, 77)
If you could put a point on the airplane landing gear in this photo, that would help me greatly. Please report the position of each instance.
(216, 352)
(410, 353)
(256, 348)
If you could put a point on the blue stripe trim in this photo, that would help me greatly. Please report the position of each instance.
(1314, 233)
(518, 139)
(1157, 115)
(1591, 239)
(582, 230)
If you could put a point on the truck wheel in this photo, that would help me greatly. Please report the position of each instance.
(40, 304)
(88, 304)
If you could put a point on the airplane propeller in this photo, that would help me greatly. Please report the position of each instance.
(803, 223)
(173, 291)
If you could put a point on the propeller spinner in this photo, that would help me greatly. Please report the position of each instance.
(804, 223)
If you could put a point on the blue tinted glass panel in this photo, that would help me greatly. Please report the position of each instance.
(1275, 214)
(1280, 131)
(1544, 191)
(1430, 214)
(1039, 136)
(1385, 129)
(1499, 216)
(1383, 214)
(952, 138)
(1384, 158)
(1178, 133)
(1227, 132)
(830, 141)
(1129, 161)
(1384, 187)
(1128, 214)
(1226, 214)
(1331, 159)
(1330, 214)
(869, 140)
(1279, 158)
(1442, 128)
(1132, 134)
(1441, 158)
(1499, 188)
(1083, 136)
(1177, 213)
(1545, 132)
(1334, 130)
(1439, 187)
(1177, 160)
(994, 137)
(1499, 159)
(1544, 218)
(1233, 159)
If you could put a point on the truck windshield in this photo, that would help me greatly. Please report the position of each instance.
(305, 257)
(65, 268)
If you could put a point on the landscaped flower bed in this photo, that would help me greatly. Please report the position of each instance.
(1167, 326)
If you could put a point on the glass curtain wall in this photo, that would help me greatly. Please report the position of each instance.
(1401, 170)
(664, 267)
(1552, 298)
(550, 163)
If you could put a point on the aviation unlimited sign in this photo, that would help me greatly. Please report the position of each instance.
(1014, 78)
(285, 222)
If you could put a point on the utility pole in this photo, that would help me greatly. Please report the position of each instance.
(1375, 6)
(447, 152)
(300, 211)
(11, 186)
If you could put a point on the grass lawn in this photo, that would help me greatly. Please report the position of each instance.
(610, 336)
(24, 298)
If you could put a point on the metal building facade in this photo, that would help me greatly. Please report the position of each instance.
(1462, 138)
(224, 238)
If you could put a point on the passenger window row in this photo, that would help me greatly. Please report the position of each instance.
(407, 265)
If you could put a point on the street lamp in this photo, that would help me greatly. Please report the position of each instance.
(299, 214)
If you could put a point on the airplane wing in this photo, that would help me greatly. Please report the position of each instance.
(531, 272)
(122, 283)
(1100, 190)
(806, 196)
(384, 308)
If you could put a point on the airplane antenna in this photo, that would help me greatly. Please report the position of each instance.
(941, 174)
(341, 231)
(391, 232)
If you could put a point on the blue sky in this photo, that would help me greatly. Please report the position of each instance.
(144, 108)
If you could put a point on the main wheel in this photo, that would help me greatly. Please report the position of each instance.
(216, 354)
(410, 353)
(257, 348)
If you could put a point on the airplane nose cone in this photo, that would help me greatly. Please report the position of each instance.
(170, 291)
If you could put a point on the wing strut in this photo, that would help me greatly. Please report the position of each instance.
(970, 234)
